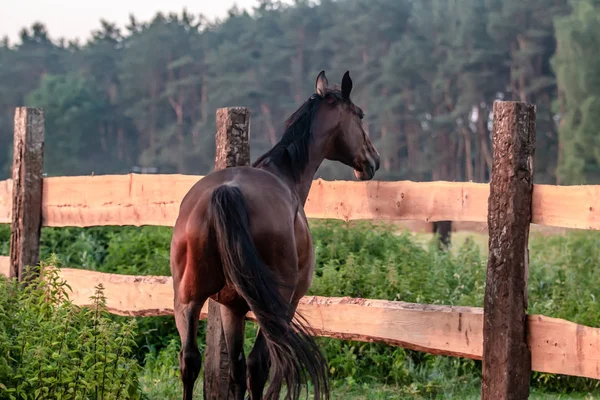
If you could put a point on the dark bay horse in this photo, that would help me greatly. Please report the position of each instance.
(242, 238)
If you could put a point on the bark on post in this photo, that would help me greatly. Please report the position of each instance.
(232, 149)
(28, 161)
(506, 356)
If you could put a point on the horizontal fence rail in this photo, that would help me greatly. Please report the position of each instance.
(137, 200)
(557, 346)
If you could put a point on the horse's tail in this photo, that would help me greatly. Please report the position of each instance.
(291, 348)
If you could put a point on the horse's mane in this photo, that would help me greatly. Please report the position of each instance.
(293, 147)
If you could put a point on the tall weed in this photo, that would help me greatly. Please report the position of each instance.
(49, 348)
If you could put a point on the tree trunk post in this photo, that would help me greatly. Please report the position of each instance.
(506, 357)
(232, 149)
(28, 161)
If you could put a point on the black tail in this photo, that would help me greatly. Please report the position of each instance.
(292, 349)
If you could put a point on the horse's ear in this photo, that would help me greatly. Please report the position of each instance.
(321, 84)
(346, 85)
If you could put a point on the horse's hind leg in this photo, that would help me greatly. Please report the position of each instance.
(233, 330)
(258, 367)
(259, 360)
(190, 360)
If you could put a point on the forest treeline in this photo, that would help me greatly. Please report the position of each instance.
(426, 74)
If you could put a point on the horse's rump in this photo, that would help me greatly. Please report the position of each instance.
(293, 352)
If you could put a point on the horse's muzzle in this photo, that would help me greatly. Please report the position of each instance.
(368, 169)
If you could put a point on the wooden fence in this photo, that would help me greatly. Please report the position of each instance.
(137, 200)
(508, 204)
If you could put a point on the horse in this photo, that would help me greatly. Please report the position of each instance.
(242, 239)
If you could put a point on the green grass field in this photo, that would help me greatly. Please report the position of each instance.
(361, 261)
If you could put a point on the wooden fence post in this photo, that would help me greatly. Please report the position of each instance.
(506, 356)
(233, 149)
(28, 161)
(444, 231)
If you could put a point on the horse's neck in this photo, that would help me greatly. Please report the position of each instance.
(302, 186)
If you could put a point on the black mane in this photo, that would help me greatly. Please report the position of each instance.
(292, 149)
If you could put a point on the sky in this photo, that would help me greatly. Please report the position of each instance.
(77, 18)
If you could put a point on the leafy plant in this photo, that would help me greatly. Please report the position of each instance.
(359, 260)
(50, 348)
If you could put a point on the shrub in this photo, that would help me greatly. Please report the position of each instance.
(371, 261)
(382, 263)
(49, 348)
(123, 250)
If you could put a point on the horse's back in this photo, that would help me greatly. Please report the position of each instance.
(266, 195)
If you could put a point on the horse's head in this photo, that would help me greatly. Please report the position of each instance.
(348, 142)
